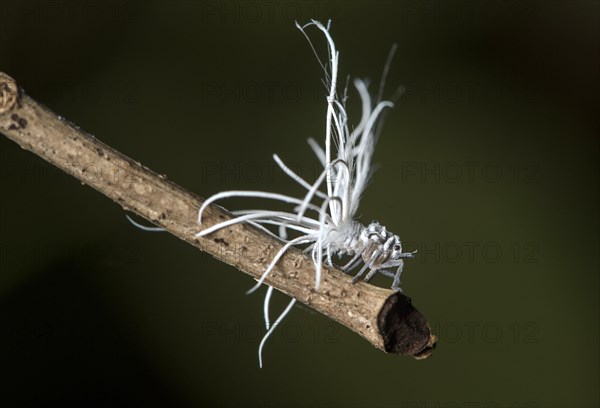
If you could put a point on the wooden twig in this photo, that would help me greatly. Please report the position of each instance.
(385, 318)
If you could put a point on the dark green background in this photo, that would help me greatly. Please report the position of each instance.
(94, 312)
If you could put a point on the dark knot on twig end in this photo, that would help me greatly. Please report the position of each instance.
(404, 329)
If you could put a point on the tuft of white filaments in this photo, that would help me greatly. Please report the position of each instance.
(323, 221)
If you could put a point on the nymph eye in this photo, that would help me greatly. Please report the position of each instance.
(397, 247)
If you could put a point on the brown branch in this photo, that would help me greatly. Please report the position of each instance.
(385, 318)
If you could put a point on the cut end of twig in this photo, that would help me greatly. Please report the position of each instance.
(404, 329)
(9, 93)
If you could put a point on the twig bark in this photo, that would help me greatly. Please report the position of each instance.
(385, 318)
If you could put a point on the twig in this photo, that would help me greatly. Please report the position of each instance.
(385, 318)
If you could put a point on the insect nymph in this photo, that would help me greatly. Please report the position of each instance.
(323, 221)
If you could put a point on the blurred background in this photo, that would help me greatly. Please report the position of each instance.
(488, 165)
